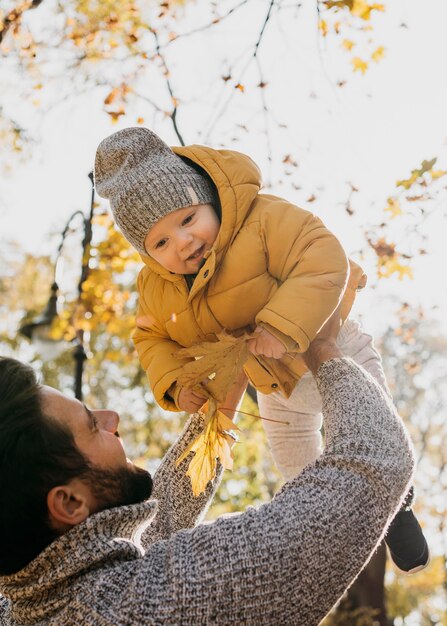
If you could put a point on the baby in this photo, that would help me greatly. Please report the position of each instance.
(218, 255)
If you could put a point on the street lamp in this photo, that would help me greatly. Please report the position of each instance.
(39, 329)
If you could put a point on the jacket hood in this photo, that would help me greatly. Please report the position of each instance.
(38, 590)
(237, 179)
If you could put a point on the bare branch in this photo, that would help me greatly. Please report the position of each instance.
(254, 56)
(169, 86)
(216, 21)
(267, 18)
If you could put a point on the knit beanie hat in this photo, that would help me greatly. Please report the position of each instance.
(144, 180)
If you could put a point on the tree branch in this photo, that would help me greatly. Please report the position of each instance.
(254, 56)
(173, 115)
(217, 20)
(15, 15)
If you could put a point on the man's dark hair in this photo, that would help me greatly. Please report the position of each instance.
(37, 453)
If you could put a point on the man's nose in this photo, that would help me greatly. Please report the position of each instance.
(107, 420)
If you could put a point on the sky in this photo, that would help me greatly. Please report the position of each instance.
(371, 132)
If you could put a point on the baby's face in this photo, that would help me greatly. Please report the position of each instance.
(180, 240)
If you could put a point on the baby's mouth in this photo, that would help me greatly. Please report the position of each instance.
(197, 254)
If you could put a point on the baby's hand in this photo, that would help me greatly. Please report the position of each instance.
(266, 344)
(190, 401)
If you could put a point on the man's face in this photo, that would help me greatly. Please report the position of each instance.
(180, 240)
(113, 479)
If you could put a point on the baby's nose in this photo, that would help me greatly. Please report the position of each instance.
(184, 240)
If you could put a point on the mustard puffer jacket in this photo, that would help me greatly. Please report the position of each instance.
(272, 264)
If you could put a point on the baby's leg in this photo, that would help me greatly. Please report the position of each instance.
(405, 539)
(298, 443)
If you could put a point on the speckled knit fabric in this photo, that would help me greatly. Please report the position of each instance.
(282, 564)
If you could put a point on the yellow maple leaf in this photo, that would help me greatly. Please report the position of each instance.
(437, 174)
(322, 27)
(359, 65)
(393, 207)
(392, 265)
(214, 443)
(221, 360)
(362, 9)
(378, 54)
(347, 44)
(426, 166)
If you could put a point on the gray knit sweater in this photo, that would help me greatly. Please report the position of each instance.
(284, 563)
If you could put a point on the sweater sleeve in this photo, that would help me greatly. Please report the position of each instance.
(177, 507)
(290, 560)
(311, 268)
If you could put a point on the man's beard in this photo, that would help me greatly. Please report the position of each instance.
(119, 487)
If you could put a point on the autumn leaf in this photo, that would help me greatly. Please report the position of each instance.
(322, 27)
(347, 44)
(416, 175)
(435, 174)
(378, 54)
(112, 96)
(213, 444)
(221, 360)
(389, 266)
(382, 248)
(393, 207)
(362, 9)
(359, 65)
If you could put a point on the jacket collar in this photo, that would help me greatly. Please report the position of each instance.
(43, 586)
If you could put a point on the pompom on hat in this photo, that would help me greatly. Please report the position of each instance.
(144, 180)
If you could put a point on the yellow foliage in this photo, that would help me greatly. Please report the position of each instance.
(220, 362)
(362, 9)
(435, 174)
(322, 26)
(387, 266)
(393, 207)
(214, 443)
(378, 54)
(417, 174)
(347, 44)
(359, 65)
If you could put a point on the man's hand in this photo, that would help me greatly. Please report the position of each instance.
(190, 401)
(266, 344)
(324, 346)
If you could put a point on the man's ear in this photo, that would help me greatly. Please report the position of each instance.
(69, 505)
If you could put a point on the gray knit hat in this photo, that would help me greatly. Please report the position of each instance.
(144, 181)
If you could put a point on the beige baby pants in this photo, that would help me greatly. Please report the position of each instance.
(299, 443)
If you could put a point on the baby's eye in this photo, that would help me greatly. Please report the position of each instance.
(160, 243)
(187, 219)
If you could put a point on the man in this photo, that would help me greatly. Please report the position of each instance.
(81, 545)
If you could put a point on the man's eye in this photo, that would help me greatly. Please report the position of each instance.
(160, 243)
(187, 219)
